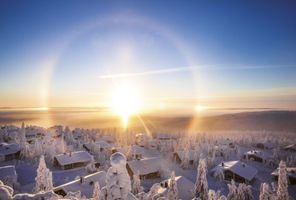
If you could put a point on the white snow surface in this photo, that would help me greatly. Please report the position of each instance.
(7, 171)
(238, 167)
(117, 160)
(185, 187)
(6, 149)
(75, 157)
(146, 166)
(87, 185)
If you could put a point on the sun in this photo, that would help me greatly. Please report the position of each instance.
(125, 102)
(201, 108)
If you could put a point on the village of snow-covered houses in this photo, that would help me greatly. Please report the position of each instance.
(60, 163)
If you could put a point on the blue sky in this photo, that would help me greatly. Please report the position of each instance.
(56, 51)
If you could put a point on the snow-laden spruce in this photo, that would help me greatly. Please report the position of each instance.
(137, 188)
(43, 178)
(265, 192)
(201, 185)
(282, 192)
(242, 192)
(173, 189)
(118, 184)
(96, 191)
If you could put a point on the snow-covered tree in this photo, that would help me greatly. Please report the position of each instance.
(136, 184)
(37, 149)
(96, 191)
(91, 167)
(276, 155)
(185, 159)
(173, 190)
(213, 195)
(43, 178)
(219, 174)
(282, 190)
(244, 192)
(23, 143)
(195, 158)
(232, 194)
(265, 192)
(153, 191)
(118, 184)
(201, 185)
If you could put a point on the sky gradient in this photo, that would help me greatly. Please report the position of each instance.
(217, 54)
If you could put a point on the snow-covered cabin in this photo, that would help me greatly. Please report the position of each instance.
(104, 146)
(9, 151)
(291, 173)
(291, 148)
(85, 185)
(255, 155)
(236, 170)
(148, 167)
(72, 160)
(8, 175)
(185, 187)
(179, 155)
(137, 152)
(265, 145)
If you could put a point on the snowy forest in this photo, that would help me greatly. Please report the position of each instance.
(108, 164)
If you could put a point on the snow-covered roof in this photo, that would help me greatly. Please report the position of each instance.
(185, 187)
(256, 153)
(7, 171)
(145, 166)
(239, 168)
(6, 149)
(102, 144)
(135, 149)
(87, 185)
(291, 171)
(291, 146)
(73, 157)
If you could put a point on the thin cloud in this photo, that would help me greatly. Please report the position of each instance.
(190, 68)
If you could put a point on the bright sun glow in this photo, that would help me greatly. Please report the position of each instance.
(201, 108)
(125, 102)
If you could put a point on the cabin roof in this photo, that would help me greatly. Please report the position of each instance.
(291, 146)
(7, 171)
(185, 187)
(239, 168)
(86, 187)
(6, 149)
(291, 171)
(74, 157)
(145, 166)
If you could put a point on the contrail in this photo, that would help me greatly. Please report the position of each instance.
(191, 68)
(161, 71)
